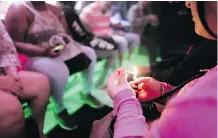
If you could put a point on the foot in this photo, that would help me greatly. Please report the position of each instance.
(92, 101)
(65, 121)
(42, 136)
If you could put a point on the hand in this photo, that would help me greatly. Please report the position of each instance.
(154, 19)
(10, 84)
(146, 88)
(117, 26)
(51, 53)
(117, 82)
(121, 33)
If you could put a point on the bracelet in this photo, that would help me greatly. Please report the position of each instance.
(161, 89)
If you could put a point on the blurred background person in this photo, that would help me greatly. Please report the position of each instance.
(100, 12)
(82, 35)
(17, 86)
(175, 32)
(120, 26)
(144, 23)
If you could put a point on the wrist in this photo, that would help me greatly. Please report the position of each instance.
(124, 93)
(122, 96)
(161, 89)
(44, 53)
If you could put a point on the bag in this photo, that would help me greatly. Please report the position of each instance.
(72, 55)
(104, 128)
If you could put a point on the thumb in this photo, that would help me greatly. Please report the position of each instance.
(122, 76)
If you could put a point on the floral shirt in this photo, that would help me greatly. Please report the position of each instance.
(8, 53)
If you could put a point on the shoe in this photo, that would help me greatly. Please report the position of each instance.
(91, 101)
(66, 121)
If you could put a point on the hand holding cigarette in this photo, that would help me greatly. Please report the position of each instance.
(117, 82)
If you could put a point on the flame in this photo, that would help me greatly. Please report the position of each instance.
(135, 72)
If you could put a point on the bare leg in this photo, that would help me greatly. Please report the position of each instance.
(122, 44)
(133, 42)
(121, 60)
(37, 90)
(11, 116)
(131, 50)
(111, 57)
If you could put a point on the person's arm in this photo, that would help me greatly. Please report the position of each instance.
(202, 57)
(129, 116)
(178, 118)
(9, 60)
(72, 16)
(8, 53)
(82, 26)
(132, 16)
(85, 17)
(17, 27)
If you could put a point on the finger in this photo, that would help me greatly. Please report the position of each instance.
(122, 76)
(111, 78)
(142, 79)
(20, 85)
(132, 83)
(136, 91)
(134, 86)
(141, 86)
(17, 90)
(142, 95)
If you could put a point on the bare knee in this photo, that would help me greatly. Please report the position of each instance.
(52, 68)
(90, 52)
(11, 116)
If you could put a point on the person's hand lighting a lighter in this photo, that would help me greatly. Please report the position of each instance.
(147, 88)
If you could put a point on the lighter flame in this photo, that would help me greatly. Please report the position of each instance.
(135, 71)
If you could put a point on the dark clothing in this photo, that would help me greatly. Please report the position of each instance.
(175, 32)
(71, 17)
(81, 34)
(174, 71)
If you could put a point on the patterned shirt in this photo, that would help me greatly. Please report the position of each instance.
(8, 53)
(96, 21)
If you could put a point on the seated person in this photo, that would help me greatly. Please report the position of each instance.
(96, 17)
(182, 118)
(82, 35)
(32, 33)
(202, 55)
(19, 85)
(144, 23)
(120, 26)
(176, 71)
